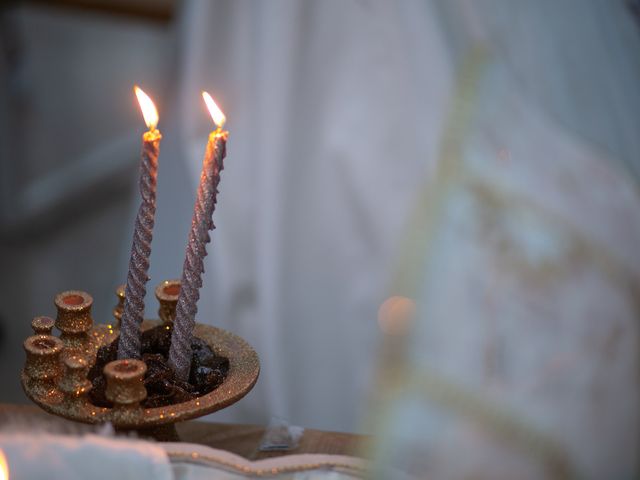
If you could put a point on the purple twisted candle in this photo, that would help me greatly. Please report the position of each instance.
(135, 290)
(201, 224)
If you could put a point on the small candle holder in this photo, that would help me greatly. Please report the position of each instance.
(42, 368)
(74, 321)
(167, 294)
(42, 325)
(55, 375)
(125, 383)
(74, 383)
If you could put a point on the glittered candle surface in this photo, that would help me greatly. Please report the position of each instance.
(137, 277)
(135, 290)
(201, 224)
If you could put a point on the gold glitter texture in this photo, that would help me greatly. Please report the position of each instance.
(125, 387)
(74, 321)
(42, 368)
(42, 325)
(167, 294)
(55, 376)
(74, 383)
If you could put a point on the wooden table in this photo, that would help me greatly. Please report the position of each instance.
(242, 440)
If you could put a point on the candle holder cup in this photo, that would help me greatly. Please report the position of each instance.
(42, 325)
(167, 294)
(42, 368)
(75, 322)
(55, 375)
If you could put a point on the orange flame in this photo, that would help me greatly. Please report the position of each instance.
(4, 466)
(149, 111)
(214, 110)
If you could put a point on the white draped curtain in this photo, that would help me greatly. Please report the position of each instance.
(336, 112)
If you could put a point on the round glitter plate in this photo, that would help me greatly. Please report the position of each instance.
(244, 368)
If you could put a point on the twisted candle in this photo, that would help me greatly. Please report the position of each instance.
(135, 290)
(201, 224)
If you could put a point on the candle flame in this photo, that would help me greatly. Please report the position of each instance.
(149, 111)
(4, 466)
(214, 110)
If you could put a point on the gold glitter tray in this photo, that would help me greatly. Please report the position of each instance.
(244, 368)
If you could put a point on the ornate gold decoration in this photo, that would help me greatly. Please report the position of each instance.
(55, 374)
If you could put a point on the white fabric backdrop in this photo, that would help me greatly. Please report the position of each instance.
(334, 121)
(335, 111)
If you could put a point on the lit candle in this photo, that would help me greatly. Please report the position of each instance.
(202, 222)
(135, 290)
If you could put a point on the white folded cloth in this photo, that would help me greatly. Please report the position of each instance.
(50, 456)
(35, 456)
